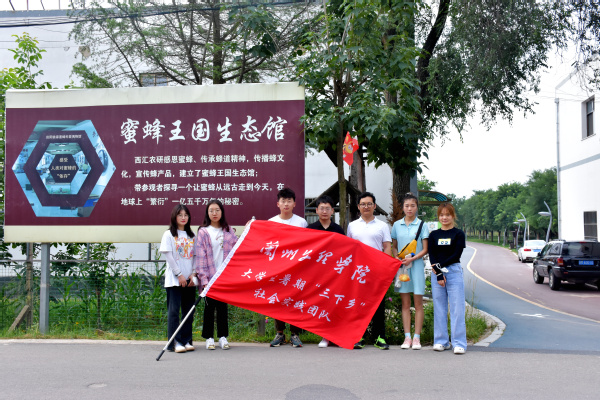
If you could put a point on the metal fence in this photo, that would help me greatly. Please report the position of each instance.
(121, 297)
(115, 295)
(96, 297)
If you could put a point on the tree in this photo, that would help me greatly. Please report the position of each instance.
(90, 79)
(186, 44)
(541, 187)
(458, 202)
(481, 57)
(430, 211)
(348, 67)
(499, 209)
(511, 197)
(25, 76)
(587, 38)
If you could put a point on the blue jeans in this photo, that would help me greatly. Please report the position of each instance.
(454, 294)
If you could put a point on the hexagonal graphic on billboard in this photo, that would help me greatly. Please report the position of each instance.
(63, 168)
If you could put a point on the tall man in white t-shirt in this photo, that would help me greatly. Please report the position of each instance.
(375, 233)
(286, 201)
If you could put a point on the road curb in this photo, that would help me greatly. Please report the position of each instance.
(496, 333)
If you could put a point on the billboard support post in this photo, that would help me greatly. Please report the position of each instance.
(45, 289)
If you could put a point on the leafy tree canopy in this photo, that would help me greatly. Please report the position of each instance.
(488, 58)
(186, 43)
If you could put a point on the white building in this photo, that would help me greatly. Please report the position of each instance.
(578, 145)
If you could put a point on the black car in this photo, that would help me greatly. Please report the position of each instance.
(572, 261)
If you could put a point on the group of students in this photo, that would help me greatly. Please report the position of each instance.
(192, 262)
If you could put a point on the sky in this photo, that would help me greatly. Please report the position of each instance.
(483, 159)
(24, 5)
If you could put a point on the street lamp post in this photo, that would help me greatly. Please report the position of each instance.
(526, 230)
(547, 214)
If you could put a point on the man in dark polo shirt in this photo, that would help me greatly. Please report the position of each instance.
(325, 212)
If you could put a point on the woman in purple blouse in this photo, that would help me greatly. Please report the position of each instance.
(214, 242)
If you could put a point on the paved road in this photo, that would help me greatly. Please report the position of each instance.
(501, 267)
(542, 326)
(110, 371)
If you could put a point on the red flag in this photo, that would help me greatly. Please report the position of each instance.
(325, 283)
(350, 146)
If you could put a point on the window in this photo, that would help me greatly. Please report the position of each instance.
(588, 125)
(590, 225)
(545, 249)
(151, 79)
(555, 250)
(310, 216)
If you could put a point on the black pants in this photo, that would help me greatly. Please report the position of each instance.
(180, 299)
(280, 326)
(378, 322)
(208, 328)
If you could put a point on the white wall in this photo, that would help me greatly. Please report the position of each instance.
(321, 173)
(579, 160)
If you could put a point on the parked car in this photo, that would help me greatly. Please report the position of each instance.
(530, 250)
(572, 261)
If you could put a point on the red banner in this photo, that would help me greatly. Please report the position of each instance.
(322, 282)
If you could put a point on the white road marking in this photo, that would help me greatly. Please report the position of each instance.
(532, 315)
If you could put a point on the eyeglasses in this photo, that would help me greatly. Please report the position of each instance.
(324, 209)
(366, 205)
(183, 215)
(217, 211)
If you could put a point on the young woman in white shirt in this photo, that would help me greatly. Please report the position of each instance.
(177, 245)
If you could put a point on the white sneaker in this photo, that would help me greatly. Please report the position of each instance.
(416, 344)
(210, 344)
(189, 347)
(439, 347)
(179, 348)
(407, 343)
(324, 343)
(459, 350)
(224, 343)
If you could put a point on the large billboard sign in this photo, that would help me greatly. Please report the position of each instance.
(108, 165)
